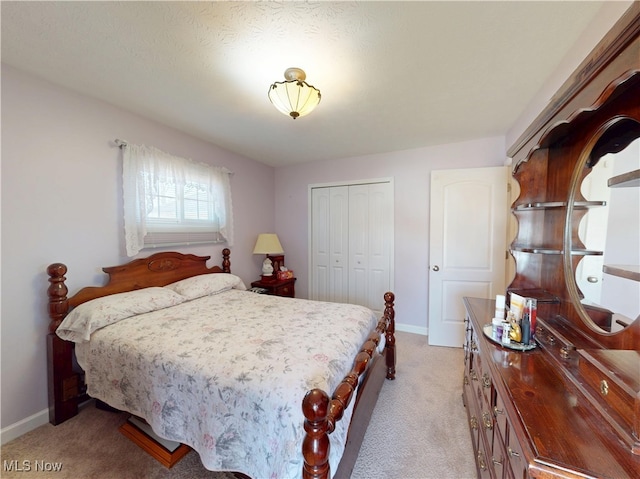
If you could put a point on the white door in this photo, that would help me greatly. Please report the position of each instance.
(358, 244)
(329, 240)
(467, 245)
(370, 232)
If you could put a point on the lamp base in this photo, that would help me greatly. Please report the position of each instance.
(277, 260)
(268, 279)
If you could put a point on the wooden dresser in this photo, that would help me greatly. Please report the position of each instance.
(529, 415)
(570, 407)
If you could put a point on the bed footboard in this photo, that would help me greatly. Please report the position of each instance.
(321, 413)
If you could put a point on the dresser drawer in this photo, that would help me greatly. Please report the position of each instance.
(514, 456)
(284, 288)
(482, 383)
(613, 378)
(500, 415)
(287, 290)
(484, 461)
(500, 460)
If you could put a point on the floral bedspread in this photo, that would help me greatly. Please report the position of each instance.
(226, 374)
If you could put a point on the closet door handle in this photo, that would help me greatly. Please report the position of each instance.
(436, 268)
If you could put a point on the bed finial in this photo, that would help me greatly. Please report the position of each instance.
(226, 264)
(57, 293)
(390, 335)
(315, 447)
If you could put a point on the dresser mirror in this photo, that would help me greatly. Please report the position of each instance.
(605, 283)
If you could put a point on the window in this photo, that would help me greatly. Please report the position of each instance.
(172, 201)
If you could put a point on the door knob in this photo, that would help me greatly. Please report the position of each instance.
(436, 268)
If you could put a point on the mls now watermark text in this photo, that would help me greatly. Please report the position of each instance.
(28, 466)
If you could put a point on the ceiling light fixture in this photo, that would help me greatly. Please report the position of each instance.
(294, 96)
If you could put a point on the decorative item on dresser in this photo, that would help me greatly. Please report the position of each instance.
(569, 407)
(116, 353)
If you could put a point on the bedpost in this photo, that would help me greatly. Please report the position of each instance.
(57, 293)
(63, 382)
(226, 264)
(315, 447)
(390, 338)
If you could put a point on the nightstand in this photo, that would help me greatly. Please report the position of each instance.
(277, 288)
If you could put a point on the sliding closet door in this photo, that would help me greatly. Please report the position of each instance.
(380, 242)
(351, 232)
(329, 239)
(358, 244)
(370, 232)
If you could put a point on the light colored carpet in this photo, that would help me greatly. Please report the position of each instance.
(419, 427)
(418, 430)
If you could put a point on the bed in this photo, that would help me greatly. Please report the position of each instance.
(240, 377)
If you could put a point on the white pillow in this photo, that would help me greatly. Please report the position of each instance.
(206, 284)
(97, 313)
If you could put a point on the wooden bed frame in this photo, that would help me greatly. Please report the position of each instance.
(67, 389)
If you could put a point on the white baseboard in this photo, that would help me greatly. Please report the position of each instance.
(407, 328)
(23, 426)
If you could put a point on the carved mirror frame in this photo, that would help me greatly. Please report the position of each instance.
(587, 159)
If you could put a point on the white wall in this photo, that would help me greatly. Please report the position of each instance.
(61, 202)
(411, 170)
(609, 14)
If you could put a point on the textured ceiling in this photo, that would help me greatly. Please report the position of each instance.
(393, 75)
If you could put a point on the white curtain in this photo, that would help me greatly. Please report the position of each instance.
(145, 170)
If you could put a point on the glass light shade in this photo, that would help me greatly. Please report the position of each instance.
(294, 96)
(268, 243)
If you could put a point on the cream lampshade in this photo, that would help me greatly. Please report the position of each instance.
(269, 245)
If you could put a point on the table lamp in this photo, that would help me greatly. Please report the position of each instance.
(269, 245)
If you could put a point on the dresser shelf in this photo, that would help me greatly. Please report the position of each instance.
(628, 271)
(549, 205)
(543, 250)
(626, 180)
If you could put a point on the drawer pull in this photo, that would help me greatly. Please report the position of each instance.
(512, 453)
(486, 420)
(481, 463)
(474, 346)
(486, 380)
(497, 411)
(496, 462)
(604, 387)
(473, 422)
(474, 375)
(466, 381)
